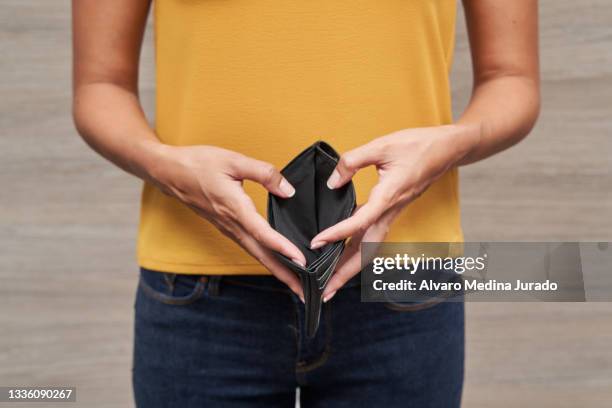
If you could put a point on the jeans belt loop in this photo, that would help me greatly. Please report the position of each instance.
(214, 284)
(169, 278)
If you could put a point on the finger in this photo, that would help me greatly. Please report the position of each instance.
(351, 161)
(265, 174)
(349, 269)
(358, 222)
(258, 228)
(352, 261)
(272, 264)
(237, 233)
(346, 268)
(382, 197)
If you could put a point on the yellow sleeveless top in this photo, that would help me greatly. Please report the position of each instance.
(268, 78)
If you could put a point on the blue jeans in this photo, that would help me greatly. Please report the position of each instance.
(239, 341)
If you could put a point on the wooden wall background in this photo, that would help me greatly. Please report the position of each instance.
(68, 221)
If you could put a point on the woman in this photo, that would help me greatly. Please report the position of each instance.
(242, 87)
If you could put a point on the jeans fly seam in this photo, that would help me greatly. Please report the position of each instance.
(301, 369)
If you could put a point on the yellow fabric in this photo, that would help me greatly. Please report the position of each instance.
(268, 78)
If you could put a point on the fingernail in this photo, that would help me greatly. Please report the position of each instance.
(333, 180)
(328, 297)
(302, 299)
(317, 244)
(286, 188)
(298, 262)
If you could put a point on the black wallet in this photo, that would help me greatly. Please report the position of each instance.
(313, 208)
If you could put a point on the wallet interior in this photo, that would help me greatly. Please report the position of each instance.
(314, 207)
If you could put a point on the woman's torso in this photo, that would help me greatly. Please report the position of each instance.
(268, 78)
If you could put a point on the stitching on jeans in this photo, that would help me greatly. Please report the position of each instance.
(252, 286)
(214, 285)
(169, 278)
(399, 307)
(296, 316)
(304, 368)
(180, 301)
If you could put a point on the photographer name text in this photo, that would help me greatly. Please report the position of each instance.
(465, 285)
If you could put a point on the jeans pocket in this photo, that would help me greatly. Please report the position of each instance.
(172, 289)
(413, 306)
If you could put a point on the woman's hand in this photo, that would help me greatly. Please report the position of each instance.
(408, 161)
(209, 180)
(503, 109)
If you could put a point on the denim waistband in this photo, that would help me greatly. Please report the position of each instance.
(268, 282)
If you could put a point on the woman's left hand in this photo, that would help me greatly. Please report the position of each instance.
(407, 161)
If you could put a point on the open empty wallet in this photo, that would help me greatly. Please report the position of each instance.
(313, 208)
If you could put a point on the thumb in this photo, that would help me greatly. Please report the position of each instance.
(352, 161)
(265, 174)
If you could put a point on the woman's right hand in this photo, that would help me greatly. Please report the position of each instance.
(209, 180)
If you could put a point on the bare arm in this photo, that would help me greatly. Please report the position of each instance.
(108, 115)
(505, 100)
(503, 109)
(107, 38)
